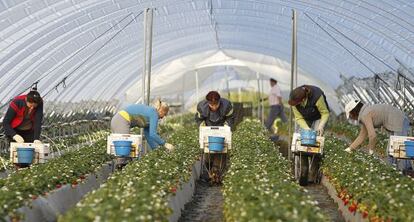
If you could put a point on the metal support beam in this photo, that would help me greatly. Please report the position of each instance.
(293, 77)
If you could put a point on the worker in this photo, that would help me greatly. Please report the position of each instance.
(142, 116)
(310, 107)
(22, 122)
(311, 111)
(376, 116)
(276, 105)
(215, 111)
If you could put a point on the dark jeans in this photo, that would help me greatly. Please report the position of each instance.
(275, 111)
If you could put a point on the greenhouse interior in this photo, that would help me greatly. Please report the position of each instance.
(207, 110)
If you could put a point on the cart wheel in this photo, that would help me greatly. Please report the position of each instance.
(301, 169)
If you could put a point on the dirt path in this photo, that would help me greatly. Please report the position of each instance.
(319, 193)
(207, 204)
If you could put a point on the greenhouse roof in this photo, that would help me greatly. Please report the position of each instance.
(77, 41)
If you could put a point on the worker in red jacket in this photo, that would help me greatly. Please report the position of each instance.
(23, 120)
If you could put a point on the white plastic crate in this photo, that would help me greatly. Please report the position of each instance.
(296, 145)
(137, 144)
(396, 146)
(218, 131)
(42, 151)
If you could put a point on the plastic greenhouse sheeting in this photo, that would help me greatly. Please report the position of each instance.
(49, 40)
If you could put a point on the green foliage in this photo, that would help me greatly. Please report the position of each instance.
(140, 192)
(368, 184)
(259, 185)
(28, 183)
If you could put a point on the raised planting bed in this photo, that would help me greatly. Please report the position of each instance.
(144, 190)
(27, 184)
(258, 185)
(368, 185)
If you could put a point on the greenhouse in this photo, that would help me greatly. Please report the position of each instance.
(206, 110)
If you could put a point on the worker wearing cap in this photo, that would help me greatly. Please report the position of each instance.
(215, 111)
(310, 107)
(142, 116)
(22, 122)
(375, 116)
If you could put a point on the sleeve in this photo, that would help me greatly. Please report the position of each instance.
(360, 138)
(153, 125)
(229, 118)
(10, 114)
(198, 117)
(38, 122)
(372, 136)
(299, 119)
(323, 110)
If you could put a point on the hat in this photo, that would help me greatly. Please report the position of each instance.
(296, 96)
(350, 106)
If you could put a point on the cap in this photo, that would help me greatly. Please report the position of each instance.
(350, 106)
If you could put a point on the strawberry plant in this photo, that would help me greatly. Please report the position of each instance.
(22, 186)
(367, 184)
(141, 191)
(259, 185)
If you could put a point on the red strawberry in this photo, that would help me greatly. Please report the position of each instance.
(173, 189)
(346, 201)
(58, 186)
(82, 177)
(365, 214)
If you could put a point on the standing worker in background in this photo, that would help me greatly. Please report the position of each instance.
(215, 111)
(310, 107)
(311, 111)
(145, 117)
(376, 116)
(276, 105)
(22, 122)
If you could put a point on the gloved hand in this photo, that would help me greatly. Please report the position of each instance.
(18, 138)
(37, 142)
(169, 146)
(321, 129)
(348, 149)
(371, 152)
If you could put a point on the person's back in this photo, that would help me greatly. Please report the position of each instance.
(383, 115)
(140, 114)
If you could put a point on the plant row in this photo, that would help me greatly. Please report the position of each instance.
(258, 185)
(141, 191)
(28, 183)
(367, 184)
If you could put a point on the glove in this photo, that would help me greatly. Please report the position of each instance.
(37, 142)
(18, 138)
(321, 129)
(348, 149)
(169, 146)
(371, 152)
